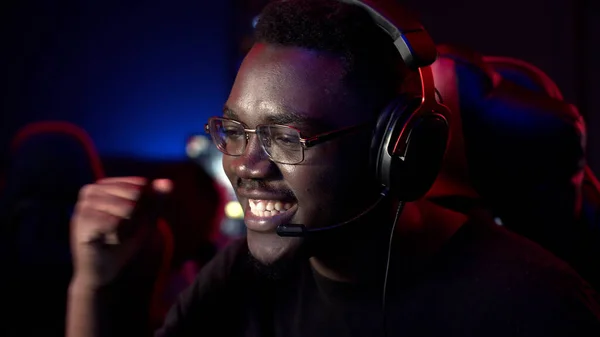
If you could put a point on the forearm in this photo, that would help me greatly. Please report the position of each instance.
(105, 312)
(82, 317)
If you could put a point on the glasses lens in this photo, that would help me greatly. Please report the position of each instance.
(228, 135)
(281, 143)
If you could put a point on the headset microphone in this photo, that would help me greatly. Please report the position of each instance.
(293, 230)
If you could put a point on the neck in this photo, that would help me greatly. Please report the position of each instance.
(359, 254)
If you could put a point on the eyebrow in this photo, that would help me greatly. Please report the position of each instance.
(287, 117)
(228, 113)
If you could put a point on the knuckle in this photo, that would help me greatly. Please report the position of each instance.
(98, 220)
(86, 191)
(82, 207)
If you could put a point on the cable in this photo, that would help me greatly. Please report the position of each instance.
(387, 265)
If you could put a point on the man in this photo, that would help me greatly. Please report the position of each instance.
(320, 67)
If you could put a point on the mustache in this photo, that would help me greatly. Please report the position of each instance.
(262, 185)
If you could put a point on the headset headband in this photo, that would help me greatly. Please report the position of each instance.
(416, 47)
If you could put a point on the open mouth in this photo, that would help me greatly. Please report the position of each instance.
(268, 208)
(265, 215)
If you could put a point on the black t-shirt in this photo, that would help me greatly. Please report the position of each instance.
(485, 281)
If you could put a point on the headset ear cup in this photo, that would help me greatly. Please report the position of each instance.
(377, 143)
(396, 113)
(407, 151)
(413, 172)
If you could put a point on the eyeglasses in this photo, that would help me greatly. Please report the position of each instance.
(283, 144)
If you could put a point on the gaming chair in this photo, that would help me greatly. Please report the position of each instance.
(535, 79)
(522, 150)
(49, 162)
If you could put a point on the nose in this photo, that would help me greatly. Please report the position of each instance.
(254, 163)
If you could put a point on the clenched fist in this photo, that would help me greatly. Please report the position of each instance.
(113, 219)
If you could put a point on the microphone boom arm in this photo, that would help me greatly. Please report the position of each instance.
(296, 230)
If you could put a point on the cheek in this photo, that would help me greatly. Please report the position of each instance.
(227, 164)
(333, 179)
(314, 188)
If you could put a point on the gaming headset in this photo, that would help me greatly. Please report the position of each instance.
(411, 134)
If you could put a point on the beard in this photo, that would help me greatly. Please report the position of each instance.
(283, 268)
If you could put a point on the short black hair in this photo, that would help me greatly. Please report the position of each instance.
(371, 61)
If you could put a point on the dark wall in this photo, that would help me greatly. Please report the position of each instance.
(590, 67)
(140, 76)
(538, 31)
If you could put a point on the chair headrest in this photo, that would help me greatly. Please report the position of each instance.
(524, 74)
(50, 161)
(514, 138)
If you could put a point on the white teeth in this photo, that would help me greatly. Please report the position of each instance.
(268, 208)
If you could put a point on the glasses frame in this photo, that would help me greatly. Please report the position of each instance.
(305, 143)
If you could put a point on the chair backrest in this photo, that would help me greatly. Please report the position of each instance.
(532, 77)
(585, 249)
(49, 162)
(524, 149)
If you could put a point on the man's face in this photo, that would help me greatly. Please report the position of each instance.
(303, 89)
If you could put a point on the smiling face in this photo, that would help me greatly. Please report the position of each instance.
(303, 89)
